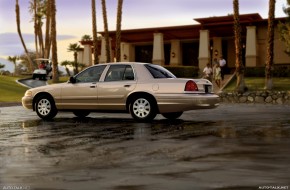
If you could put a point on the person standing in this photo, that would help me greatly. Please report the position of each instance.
(222, 63)
(217, 75)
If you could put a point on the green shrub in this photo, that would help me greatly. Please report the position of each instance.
(184, 71)
(278, 71)
(255, 72)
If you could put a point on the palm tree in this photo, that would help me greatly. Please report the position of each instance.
(107, 39)
(86, 38)
(240, 86)
(34, 5)
(270, 46)
(284, 28)
(55, 77)
(65, 64)
(95, 38)
(13, 60)
(2, 66)
(47, 30)
(17, 10)
(118, 30)
(38, 9)
(75, 48)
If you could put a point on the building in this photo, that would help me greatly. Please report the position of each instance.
(196, 45)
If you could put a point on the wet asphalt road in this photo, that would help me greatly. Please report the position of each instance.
(231, 147)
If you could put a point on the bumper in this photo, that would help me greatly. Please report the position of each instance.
(186, 102)
(27, 102)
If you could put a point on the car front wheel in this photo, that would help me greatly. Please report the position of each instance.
(143, 109)
(45, 107)
(172, 115)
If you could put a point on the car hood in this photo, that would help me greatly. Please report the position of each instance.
(48, 87)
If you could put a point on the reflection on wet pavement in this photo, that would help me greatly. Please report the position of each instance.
(232, 147)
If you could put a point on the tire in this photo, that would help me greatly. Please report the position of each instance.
(143, 109)
(33, 77)
(172, 115)
(81, 113)
(45, 107)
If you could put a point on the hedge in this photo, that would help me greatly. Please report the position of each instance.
(278, 71)
(184, 71)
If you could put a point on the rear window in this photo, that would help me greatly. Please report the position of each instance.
(159, 72)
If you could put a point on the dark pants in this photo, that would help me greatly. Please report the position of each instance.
(223, 71)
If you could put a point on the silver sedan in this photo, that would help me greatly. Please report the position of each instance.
(141, 89)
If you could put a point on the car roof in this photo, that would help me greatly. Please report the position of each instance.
(121, 63)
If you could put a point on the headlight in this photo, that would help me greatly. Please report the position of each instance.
(28, 93)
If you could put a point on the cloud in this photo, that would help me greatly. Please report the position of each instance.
(10, 43)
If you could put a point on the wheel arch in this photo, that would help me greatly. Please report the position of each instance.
(39, 95)
(138, 94)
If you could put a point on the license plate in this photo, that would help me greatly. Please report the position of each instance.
(207, 88)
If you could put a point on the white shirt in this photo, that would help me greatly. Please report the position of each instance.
(222, 62)
(207, 71)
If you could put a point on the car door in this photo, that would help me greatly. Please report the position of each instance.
(118, 83)
(82, 93)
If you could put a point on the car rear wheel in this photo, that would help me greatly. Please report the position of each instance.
(45, 107)
(143, 109)
(172, 115)
(81, 113)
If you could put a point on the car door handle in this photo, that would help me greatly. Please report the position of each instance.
(92, 86)
(127, 85)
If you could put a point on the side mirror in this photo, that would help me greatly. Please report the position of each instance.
(72, 80)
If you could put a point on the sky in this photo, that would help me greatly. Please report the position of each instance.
(74, 19)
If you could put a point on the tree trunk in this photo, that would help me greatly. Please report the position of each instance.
(76, 62)
(47, 32)
(35, 29)
(40, 39)
(270, 46)
(240, 86)
(95, 37)
(55, 77)
(17, 9)
(107, 39)
(118, 31)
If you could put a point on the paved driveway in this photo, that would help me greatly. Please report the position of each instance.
(232, 147)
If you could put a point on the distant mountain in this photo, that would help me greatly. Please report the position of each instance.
(10, 43)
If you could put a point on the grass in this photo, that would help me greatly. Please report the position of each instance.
(255, 84)
(10, 91)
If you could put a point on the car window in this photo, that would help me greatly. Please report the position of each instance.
(158, 71)
(92, 74)
(119, 73)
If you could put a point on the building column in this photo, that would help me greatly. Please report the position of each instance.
(204, 54)
(127, 52)
(175, 54)
(80, 56)
(87, 56)
(251, 47)
(103, 56)
(158, 49)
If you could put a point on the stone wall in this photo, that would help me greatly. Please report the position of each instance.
(264, 97)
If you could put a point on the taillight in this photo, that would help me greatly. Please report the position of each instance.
(190, 86)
